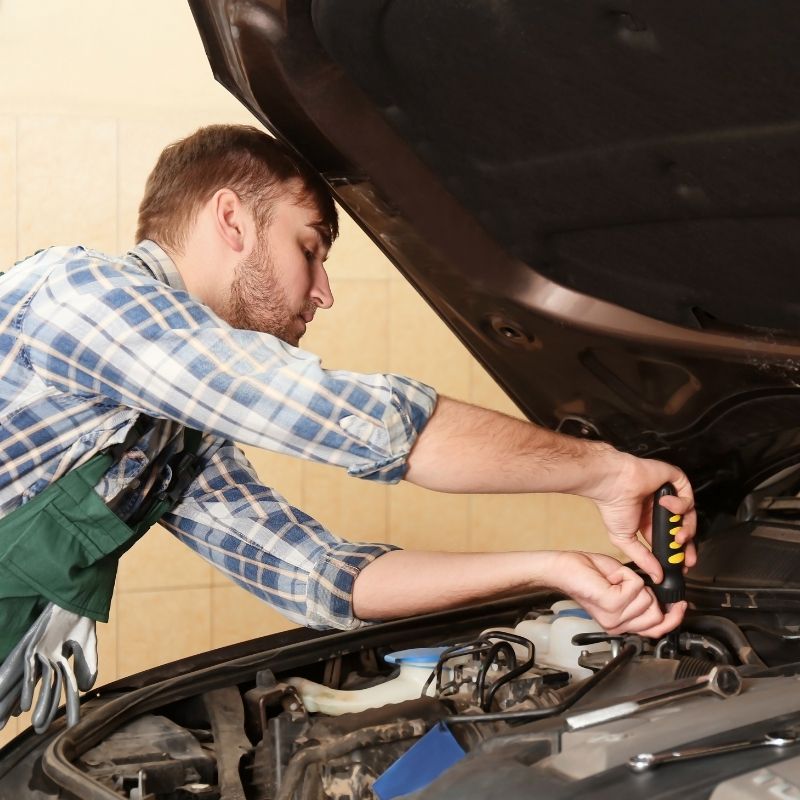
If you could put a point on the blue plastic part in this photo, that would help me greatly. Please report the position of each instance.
(574, 612)
(420, 765)
(417, 657)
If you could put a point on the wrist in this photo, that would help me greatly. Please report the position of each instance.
(540, 568)
(605, 469)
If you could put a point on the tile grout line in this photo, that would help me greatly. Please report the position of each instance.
(210, 613)
(116, 241)
(16, 188)
(117, 636)
(119, 182)
(166, 588)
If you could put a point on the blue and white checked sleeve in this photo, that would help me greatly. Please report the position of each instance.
(103, 328)
(264, 544)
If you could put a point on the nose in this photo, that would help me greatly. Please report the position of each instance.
(321, 292)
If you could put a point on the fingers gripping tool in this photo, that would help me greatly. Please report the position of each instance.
(670, 555)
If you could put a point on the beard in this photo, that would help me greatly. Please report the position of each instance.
(257, 301)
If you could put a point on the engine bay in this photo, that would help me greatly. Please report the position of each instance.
(559, 705)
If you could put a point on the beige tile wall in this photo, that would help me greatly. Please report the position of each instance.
(79, 129)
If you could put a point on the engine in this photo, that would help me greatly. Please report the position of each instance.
(371, 723)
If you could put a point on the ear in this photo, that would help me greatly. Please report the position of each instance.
(232, 220)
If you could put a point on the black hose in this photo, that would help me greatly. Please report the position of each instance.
(475, 647)
(626, 653)
(709, 643)
(491, 656)
(517, 670)
(729, 633)
(773, 632)
(478, 647)
(691, 667)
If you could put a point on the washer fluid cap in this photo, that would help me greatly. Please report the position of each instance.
(573, 612)
(416, 657)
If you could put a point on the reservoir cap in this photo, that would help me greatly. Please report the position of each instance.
(416, 657)
(573, 612)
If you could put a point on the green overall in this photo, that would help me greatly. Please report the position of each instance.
(64, 544)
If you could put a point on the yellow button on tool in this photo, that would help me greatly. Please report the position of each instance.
(675, 518)
(675, 545)
(673, 531)
(676, 559)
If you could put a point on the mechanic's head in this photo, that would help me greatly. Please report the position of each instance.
(248, 224)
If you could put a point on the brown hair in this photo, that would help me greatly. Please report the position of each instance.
(254, 165)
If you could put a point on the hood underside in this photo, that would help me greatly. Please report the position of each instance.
(599, 198)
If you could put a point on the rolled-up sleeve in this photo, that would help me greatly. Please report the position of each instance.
(264, 544)
(141, 344)
(406, 409)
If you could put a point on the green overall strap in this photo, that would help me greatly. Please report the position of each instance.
(64, 544)
(185, 466)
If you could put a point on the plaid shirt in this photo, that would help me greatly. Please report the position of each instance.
(88, 342)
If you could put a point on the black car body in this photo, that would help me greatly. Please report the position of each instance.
(601, 200)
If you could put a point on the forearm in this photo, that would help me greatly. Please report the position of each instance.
(464, 448)
(404, 582)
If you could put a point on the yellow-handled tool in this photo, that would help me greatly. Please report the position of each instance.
(670, 555)
(667, 550)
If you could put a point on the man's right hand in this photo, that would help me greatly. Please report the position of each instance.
(464, 448)
(613, 594)
(624, 497)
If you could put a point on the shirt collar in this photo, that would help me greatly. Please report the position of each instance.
(158, 263)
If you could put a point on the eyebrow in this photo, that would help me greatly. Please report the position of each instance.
(323, 231)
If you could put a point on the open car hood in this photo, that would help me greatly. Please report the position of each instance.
(600, 199)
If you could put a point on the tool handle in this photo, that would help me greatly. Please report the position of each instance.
(667, 550)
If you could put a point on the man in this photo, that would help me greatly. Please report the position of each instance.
(197, 329)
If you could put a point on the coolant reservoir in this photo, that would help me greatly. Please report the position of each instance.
(416, 666)
(552, 635)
